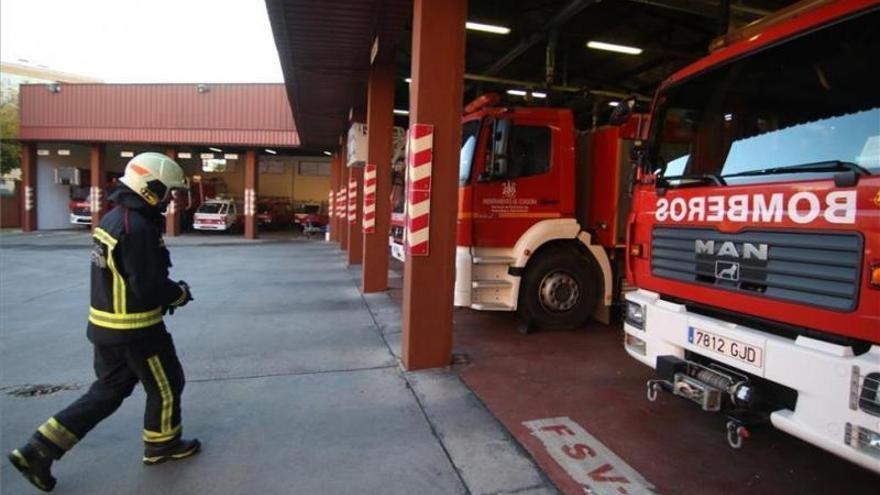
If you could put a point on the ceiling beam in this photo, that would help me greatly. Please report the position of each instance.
(572, 9)
(705, 8)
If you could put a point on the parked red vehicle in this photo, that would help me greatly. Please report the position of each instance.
(274, 213)
(754, 239)
(540, 214)
(80, 204)
(311, 214)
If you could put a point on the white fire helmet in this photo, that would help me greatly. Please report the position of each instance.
(153, 176)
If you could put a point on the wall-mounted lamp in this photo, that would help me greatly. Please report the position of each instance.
(54, 88)
(203, 88)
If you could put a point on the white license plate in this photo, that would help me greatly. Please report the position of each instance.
(747, 353)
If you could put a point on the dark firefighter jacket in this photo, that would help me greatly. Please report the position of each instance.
(130, 284)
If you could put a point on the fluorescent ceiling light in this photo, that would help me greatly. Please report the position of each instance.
(487, 28)
(328, 153)
(613, 103)
(538, 94)
(231, 156)
(611, 47)
(516, 92)
(400, 112)
(184, 154)
(126, 154)
(64, 152)
(217, 150)
(271, 152)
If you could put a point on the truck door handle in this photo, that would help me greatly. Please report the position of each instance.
(548, 201)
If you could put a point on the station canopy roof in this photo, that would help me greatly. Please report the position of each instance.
(325, 51)
(257, 115)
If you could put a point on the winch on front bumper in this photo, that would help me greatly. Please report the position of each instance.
(746, 373)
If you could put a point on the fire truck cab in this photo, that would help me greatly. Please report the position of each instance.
(541, 211)
(754, 240)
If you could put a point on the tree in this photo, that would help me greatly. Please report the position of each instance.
(10, 151)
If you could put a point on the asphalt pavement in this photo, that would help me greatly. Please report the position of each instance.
(293, 380)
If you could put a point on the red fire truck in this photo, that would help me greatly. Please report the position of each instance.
(754, 237)
(80, 204)
(541, 214)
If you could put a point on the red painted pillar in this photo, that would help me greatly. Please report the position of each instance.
(28, 187)
(343, 193)
(250, 194)
(175, 206)
(438, 46)
(335, 164)
(355, 207)
(98, 178)
(380, 120)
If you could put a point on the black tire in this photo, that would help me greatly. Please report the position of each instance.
(560, 288)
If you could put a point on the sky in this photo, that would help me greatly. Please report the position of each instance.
(154, 41)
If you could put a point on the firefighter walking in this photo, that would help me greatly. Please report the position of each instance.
(130, 293)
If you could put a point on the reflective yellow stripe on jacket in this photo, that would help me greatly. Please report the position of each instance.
(125, 321)
(119, 303)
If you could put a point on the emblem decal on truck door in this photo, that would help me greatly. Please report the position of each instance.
(727, 270)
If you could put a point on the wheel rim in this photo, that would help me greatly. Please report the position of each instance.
(559, 292)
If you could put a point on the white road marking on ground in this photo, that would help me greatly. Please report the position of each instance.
(590, 463)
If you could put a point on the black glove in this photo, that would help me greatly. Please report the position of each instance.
(185, 286)
(181, 301)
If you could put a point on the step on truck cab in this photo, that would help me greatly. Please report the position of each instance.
(541, 213)
(754, 237)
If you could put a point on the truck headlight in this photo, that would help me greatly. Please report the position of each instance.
(635, 314)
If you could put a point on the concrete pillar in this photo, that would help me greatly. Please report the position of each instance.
(28, 187)
(335, 164)
(438, 46)
(250, 194)
(355, 210)
(98, 178)
(380, 120)
(175, 206)
(343, 187)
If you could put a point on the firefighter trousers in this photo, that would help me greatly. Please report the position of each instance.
(151, 361)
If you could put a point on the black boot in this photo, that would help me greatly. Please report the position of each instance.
(172, 451)
(34, 465)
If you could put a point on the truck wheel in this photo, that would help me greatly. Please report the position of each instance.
(559, 289)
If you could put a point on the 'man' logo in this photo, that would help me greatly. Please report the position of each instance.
(729, 249)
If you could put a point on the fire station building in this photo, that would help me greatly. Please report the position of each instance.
(238, 138)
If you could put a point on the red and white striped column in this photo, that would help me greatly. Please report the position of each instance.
(355, 236)
(352, 200)
(28, 206)
(370, 199)
(418, 202)
(251, 177)
(341, 208)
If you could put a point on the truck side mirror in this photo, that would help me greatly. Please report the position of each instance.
(637, 159)
(622, 112)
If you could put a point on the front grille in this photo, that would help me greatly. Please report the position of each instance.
(82, 211)
(806, 268)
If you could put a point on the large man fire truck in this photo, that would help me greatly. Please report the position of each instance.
(754, 239)
(541, 214)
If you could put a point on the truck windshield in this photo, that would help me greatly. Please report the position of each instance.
(469, 135)
(802, 109)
